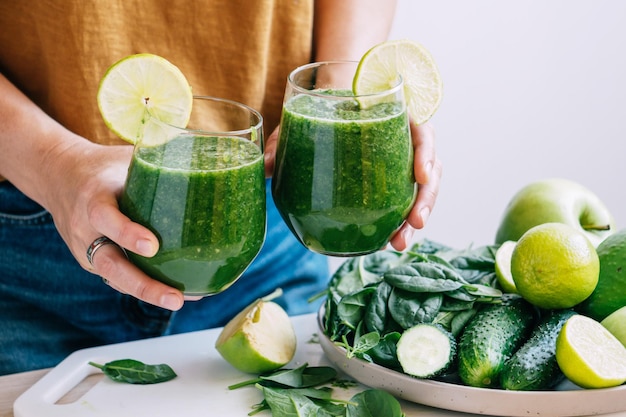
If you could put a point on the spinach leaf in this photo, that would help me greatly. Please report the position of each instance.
(374, 403)
(384, 352)
(429, 247)
(285, 395)
(351, 308)
(361, 344)
(457, 302)
(302, 377)
(460, 320)
(135, 372)
(289, 403)
(376, 315)
(485, 291)
(362, 271)
(409, 308)
(422, 277)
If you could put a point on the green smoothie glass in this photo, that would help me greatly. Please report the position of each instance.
(343, 179)
(201, 190)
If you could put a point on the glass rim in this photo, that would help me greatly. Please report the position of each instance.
(238, 132)
(290, 79)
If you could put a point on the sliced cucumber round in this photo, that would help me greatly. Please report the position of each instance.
(426, 350)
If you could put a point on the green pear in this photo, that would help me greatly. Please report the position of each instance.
(259, 339)
(556, 200)
(616, 324)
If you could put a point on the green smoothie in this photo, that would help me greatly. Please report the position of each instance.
(204, 198)
(343, 180)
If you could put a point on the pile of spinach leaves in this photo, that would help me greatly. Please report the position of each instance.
(372, 299)
(304, 391)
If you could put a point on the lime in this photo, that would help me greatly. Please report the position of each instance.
(589, 355)
(616, 324)
(139, 84)
(379, 68)
(554, 266)
(503, 267)
(610, 293)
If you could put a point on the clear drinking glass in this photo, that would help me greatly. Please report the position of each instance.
(201, 190)
(343, 179)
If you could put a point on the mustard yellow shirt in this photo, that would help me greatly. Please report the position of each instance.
(56, 51)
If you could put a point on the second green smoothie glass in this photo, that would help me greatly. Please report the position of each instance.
(201, 190)
(343, 179)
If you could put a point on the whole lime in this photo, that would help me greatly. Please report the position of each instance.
(554, 266)
(610, 293)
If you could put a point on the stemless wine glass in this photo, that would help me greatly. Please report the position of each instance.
(201, 190)
(343, 179)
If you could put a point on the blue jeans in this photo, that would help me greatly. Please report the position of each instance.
(50, 306)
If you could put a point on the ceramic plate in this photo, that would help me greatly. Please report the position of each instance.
(566, 400)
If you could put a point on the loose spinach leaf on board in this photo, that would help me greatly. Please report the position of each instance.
(303, 376)
(289, 402)
(135, 372)
(285, 401)
(374, 403)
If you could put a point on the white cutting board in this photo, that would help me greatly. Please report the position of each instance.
(199, 390)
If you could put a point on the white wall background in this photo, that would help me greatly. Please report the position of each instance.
(532, 89)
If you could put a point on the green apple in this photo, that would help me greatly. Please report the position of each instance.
(616, 324)
(259, 339)
(556, 200)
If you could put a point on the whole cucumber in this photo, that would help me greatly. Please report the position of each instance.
(534, 366)
(490, 338)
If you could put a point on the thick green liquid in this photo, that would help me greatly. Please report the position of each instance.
(204, 198)
(343, 180)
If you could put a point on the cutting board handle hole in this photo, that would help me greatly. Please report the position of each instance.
(81, 388)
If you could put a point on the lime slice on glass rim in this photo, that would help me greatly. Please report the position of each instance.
(139, 88)
(379, 68)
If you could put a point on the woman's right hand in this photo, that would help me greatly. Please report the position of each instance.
(78, 182)
(84, 206)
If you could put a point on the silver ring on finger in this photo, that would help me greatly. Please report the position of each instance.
(97, 244)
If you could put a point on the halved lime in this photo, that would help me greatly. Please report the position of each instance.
(379, 68)
(139, 84)
(503, 266)
(589, 355)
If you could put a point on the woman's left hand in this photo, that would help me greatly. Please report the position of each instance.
(428, 171)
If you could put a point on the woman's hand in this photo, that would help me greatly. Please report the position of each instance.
(427, 169)
(84, 206)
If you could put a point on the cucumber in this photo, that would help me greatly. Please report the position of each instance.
(534, 366)
(490, 338)
(426, 350)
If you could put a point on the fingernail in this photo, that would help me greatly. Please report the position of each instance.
(407, 234)
(424, 213)
(145, 247)
(428, 169)
(171, 302)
